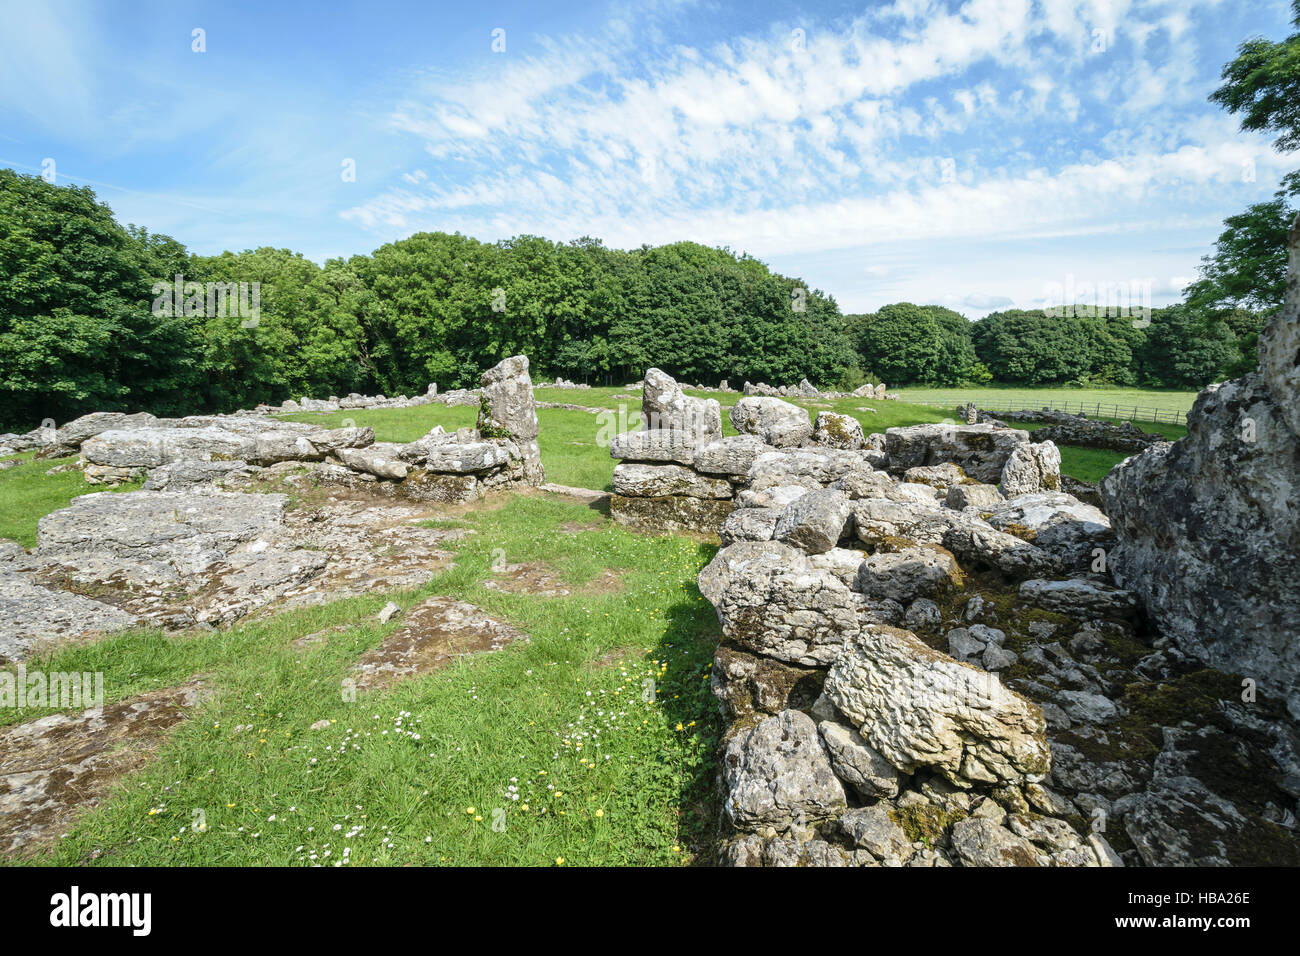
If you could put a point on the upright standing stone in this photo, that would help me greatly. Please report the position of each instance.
(1208, 527)
(507, 410)
(665, 407)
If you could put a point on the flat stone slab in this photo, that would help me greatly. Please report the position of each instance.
(437, 631)
(31, 615)
(54, 769)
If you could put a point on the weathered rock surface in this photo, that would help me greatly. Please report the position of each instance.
(733, 455)
(919, 708)
(749, 524)
(981, 450)
(657, 481)
(776, 422)
(33, 614)
(1060, 524)
(857, 764)
(434, 633)
(55, 769)
(820, 465)
(664, 407)
(657, 445)
(814, 522)
(671, 513)
(837, 431)
(772, 602)
(1208, 529)
(777, 775)
(1030, 468)
(908, 574)
(507, 409)
(1080, 598)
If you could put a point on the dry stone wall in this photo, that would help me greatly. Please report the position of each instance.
(925, 663)
(172, 454)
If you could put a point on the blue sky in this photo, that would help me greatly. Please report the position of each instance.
(973, 154)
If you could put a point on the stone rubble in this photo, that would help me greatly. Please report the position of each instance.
(926, 662)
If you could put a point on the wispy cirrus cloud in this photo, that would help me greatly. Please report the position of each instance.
(992, 119)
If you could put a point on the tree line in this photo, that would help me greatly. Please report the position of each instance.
(97, 316)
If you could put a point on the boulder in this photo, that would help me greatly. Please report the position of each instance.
(733, 455)
(507, 410)
(656, 481)
(1079, 598)
(746, 684)
(144, 448)
(777, 775)
(664, 407)
(771, 601)
(1031, 468)
(814, 522)
(908, 574)
(1208, 529)
(972, 496)
(872, 829)
(977, 841)
(473, 457)
(920, 708)
(981, 450)
(383, 460)
(749, 524)
(869, 774)
(776, 422)
(822, 465)
(658, 446)
(1060, 524)
(940, 477)
(841, 562)
(671, 513)
(178, 475)
(837, 431)
(68, 438)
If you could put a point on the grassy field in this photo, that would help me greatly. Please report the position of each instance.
(27, 494)
(591, 745)
(1103, 398)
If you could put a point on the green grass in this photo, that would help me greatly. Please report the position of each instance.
(27, 494)
(1167, 400)
(610, 774)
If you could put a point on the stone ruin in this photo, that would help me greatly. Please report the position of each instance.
(1065, 428)
(805, 389)
(190, 550)
(926, 661)
(170, 454)
(678, 473)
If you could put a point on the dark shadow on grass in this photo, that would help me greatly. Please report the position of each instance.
(686, 697)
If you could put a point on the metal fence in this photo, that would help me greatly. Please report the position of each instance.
(1132, 413)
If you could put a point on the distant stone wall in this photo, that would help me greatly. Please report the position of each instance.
(500, 451)
(1065, 428)
(680, 474)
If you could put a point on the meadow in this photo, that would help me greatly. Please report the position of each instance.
(591, 744)
(1096, 402)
